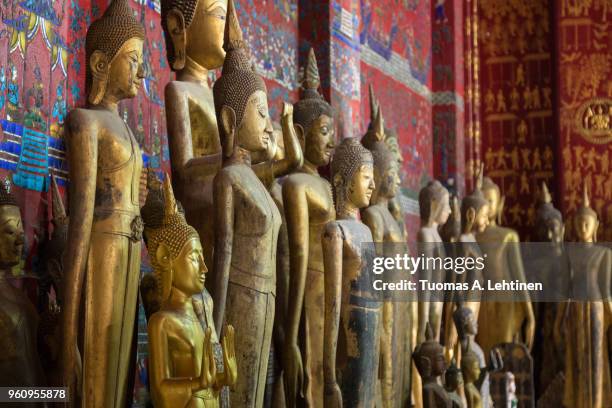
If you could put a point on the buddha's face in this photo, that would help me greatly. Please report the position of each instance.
(189, 270)
(389, 181)
(471, 325)
(361, 187)
(481, 221)
(586, 226)
(445, 209)
(11, 236)
(492, 196)
(126, 70)
(205, 33)
(471, 370)
(255, 132)
(438, 366)
(319, 143)
(452, 380)
(554, 230)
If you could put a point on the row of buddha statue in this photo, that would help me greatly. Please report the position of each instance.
(261, 295)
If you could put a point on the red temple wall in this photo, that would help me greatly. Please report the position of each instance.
(584, 56)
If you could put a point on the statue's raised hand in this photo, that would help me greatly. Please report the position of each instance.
(209, 369)
(229, 357)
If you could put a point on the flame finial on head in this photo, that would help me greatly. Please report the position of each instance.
(429, 335)
(379, 125)
(373, 104)
(545, 196)
(586, 201)
(312, 79)
(480, 177)
(170, 207)
(233, 38)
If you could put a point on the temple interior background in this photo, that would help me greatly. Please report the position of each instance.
(524, 87)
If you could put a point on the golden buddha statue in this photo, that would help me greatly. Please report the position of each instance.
(102, 258)
(585, 323)
(434, 206)
(499, 322)
(392, 141)
(19, 362)
(182, 353)
(396, 320)
(194, 44)
(429, 359)
(246, 218)
(470, 367)
(283, 155)
(474, 220)
(309, 206)
(353, 310)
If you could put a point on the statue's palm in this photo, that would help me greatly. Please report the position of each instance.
(229, 357)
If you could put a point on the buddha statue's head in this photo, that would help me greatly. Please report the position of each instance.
(451, 230)
(194, 29)
(549, 221)
(352, 171)
(465, 321)
(453, 379)
(434, 204)
(475, 209)
(174, 246)
(470, 365)
(492, 194)
(241, 101)
(313, 118)
(392, 141)
(429, 356)
(586, 221)
(386, 168)
(114, 47)
(11, 228)
(276, 147)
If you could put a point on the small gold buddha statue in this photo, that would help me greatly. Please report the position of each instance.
(309, 206)
(102, 257)
(353, 310)
(182, 354)
(396, 319)
(499, 322)
(585, 323)
(19, 362)
(470, 367)
(247, 220)
(429, 359)
(194, 45)
(434, 206)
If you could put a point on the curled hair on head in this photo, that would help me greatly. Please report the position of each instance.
(475, 199)
(312, 105)
(238, 81)
(433, 192)
(187, 8)
(110, 32)
(348, 158)
(425, 352)
(461, 316)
